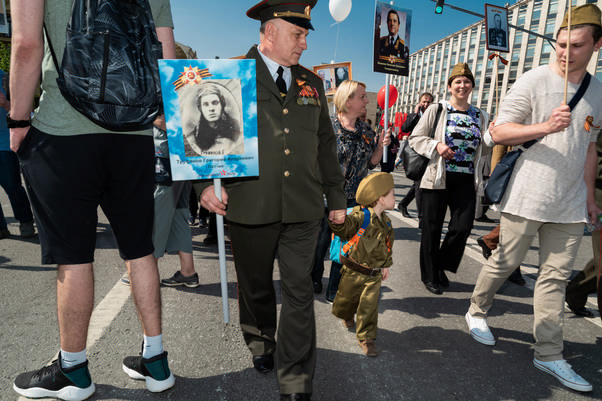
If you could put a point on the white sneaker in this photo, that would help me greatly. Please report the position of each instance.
(479, 330)
(562, 370)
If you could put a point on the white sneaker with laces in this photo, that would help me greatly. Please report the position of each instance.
(563, 371)
(479, 330)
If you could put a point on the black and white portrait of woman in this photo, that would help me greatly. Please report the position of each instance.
(212, 119)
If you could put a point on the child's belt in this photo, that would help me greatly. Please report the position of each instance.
(353, 265)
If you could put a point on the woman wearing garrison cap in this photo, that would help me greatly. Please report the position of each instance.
(457, 156)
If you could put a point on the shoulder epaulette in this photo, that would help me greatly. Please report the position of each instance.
(310, 71)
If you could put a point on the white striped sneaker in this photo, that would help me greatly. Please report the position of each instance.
(563, 371)
(479, 330)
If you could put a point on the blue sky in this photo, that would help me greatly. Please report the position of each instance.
(221, 28)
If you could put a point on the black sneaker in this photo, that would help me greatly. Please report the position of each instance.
(72, 384)
(179, 279)
(155, 371)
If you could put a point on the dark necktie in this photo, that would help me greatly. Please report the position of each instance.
(280, 82)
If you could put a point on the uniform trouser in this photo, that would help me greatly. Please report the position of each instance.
(460, 197)
(414, 192)
(358, 294)
(323, 246)
(255, 248)
(558, 246)
(586, 281)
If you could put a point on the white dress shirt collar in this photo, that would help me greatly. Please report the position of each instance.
(273, 68)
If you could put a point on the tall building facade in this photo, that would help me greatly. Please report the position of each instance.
(430, 66)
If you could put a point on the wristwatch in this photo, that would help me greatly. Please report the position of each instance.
(16, 123)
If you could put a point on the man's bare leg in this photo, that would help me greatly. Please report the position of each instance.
(75, 301)
(144, 278)
(186, 263)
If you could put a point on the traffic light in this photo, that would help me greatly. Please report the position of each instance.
(439, 6)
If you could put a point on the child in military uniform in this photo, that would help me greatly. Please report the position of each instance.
(367, 263)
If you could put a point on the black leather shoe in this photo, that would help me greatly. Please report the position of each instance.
(432, 287)
(484, 219)
(318, 287)
(581, 311)
(210, 240)
(517, 278)
(263, 363)
(295, 397)
(484, 248)
(404, 211)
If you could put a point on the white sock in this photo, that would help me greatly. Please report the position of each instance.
(153, 346)
(70, 359)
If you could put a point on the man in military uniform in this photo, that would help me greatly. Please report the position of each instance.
(278, 214)
(392, 44)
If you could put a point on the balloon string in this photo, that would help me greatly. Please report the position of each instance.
(336, 43)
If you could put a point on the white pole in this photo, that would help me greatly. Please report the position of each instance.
(219, 221)
(386, 115)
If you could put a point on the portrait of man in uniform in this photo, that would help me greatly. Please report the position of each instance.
(497, 36)
(212, 119)
(392, 49)
(497, 28)
(392, 44)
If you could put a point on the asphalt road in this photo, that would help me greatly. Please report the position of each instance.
(425, 352)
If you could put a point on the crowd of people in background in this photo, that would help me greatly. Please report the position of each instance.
(314, 180)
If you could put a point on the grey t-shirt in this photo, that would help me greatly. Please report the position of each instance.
(55, 115)
(547, 183)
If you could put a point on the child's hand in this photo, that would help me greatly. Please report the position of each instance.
(337, 216)
(385, 273)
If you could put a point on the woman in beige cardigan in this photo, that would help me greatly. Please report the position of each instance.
(459, 156)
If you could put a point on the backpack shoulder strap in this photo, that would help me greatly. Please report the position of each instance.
(52, 52)
(347, 247)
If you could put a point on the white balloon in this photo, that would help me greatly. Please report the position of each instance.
(339, 9)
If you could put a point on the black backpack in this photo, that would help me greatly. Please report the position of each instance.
(109, 71)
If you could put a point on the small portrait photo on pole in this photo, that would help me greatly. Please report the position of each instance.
(333, 75)
(391, 39)
(211, 117)
(4, 28)
(496, 25)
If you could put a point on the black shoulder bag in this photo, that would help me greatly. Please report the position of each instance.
(414, 164)
(499, 178)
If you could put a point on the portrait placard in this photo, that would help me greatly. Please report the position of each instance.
(391, 39)
(211, 116)
(333, 74)
(496, 26)
(4, 28)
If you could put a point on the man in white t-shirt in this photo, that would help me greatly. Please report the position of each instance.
(550, 188)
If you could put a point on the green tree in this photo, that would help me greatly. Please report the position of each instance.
(4, 56)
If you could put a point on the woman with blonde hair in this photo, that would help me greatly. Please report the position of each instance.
(359, 150)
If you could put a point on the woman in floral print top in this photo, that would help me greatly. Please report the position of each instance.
(357, 145)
